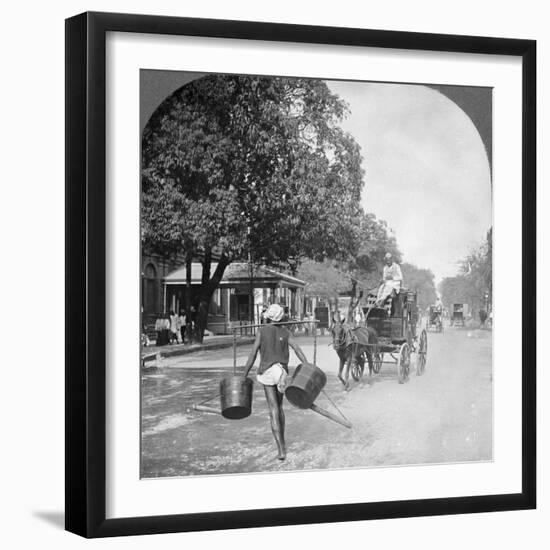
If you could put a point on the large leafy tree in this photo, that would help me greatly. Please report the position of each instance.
(257, 168)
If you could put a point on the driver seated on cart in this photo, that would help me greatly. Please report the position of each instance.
(392, 280)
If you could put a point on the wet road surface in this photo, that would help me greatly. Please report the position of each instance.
(443, 416)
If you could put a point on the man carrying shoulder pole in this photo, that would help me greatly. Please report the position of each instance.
(273, 342)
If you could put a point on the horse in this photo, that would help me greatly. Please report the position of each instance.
(352, 345)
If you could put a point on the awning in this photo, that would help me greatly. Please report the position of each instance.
(235, 273)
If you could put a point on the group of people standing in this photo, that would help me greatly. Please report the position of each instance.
(171, 328)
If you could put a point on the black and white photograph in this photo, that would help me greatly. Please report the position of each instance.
(274, 275)
(316, 274)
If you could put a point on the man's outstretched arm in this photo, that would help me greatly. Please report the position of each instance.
(252, 356)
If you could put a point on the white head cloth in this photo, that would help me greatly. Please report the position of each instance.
(274, 312)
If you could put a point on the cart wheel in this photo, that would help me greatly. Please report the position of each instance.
(422, 354)
(403, 363)
(357, 368)
(377, 358)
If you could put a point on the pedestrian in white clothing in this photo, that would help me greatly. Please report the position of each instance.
(174, 328)
(182, 323)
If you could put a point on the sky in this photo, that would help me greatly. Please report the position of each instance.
(426, 170)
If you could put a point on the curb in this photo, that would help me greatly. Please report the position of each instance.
(196, 347)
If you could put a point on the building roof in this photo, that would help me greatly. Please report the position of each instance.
(235, 273)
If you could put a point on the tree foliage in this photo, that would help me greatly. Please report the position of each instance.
(421, 280)
(358, 273)
(324, 279)
(228, 153)
(376, 239)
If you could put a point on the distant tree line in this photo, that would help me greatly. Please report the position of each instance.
(474, 283)
(330, 279)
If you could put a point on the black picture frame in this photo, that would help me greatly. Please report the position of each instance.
(86, 283)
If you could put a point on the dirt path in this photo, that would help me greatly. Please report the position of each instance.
(443, 416)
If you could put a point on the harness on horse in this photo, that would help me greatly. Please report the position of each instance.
(350, 336)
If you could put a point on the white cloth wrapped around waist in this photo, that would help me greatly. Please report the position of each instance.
(273, 376)
(386, 289)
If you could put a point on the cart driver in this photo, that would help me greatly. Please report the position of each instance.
(392, 279)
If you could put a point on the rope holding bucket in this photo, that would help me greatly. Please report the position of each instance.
(234, 352)
(344, 420)
(204, 408)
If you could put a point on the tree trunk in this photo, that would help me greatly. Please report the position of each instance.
(251, 293)
(208, 286)
(354, 300)
(189, 325)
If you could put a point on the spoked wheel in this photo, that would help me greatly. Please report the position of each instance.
(357, 368)
(422, 353)
(377, 358)
(403, 363)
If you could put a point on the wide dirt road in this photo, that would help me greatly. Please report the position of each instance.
(443, 416)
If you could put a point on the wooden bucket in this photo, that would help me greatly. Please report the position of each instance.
(306, 384)
(236, 397)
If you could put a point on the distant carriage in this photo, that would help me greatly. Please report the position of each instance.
(435, 319)
(457, 315)
(322, 315)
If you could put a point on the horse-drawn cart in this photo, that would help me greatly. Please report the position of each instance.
(395, 326)
(457, 317)
(390, 330)
(435, 319)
